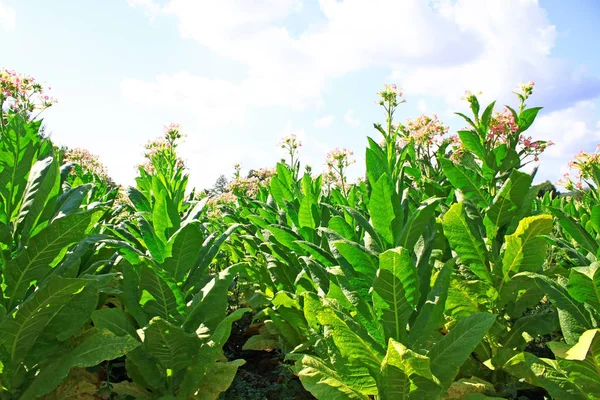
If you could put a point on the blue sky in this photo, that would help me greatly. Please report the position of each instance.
(240, 74)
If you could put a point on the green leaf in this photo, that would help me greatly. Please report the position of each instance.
(155, 246)
(507, 202)
(210, 351)
(169, 344)
(486, 117)
(467, 181)
(466, 241)
(261, 342)
(307, 213)
(584, 284)
(574, 318)
(140, 202)
(102, 345)
(396, 291)
(208, 307)
(160, 296)
(527, 117)
(218, 379)
(574, 228)
(384, 208)
(452, 350)
(362, 260)
(431, 314)
(20, 332)
(544, 373)
(416, 223)
(406, 375)
(42, 185)
(339, 225)
(359, 348)
(472, 142)
(324, 382)
(526, 249)
(113, 320)
(35, 262)
(184, 251)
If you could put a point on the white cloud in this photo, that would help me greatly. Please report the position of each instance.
(324, 122)
(351, 119)
(8, 17)
(517, 47)
(212, 101)
(151, 9)
(438, 48)
(572, 129)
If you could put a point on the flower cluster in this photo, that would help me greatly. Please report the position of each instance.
(534, 148)
(337, 161)
(471, 98)
(173, 132)
(89, 164)
(291, 144)
(245, 186)
(524, 90)
(264, 175)
(161, 153)
(422, 131)
(391, 96)
(585, 166)
(22, 93)
(502, 126)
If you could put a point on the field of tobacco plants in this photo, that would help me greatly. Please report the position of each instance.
(444, 273)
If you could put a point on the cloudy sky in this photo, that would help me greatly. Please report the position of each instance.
(240, 74)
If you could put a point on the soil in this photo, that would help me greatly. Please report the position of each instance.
(265, 376)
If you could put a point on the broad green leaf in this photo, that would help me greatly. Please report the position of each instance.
(527, 117)
(452, 350)
(102, 345)
(307, 213)
(472, 142)
(20, 332)
(36, 261)
(184, 251)
(584, 284)
(353, 345)
(261, 342)
(362, 260)
(544, 373)
(113, 320)
(208, 354)
(323, 381)
(467, 181)
(340, 225)
(140, 202)
(416, 223)
(574, 317)
(507, 202)
(577, 232)
(431, 314)
(218, 379)
(396, 291)
(42, 185)
(406, 375)
(466, 241)
(526, 249)
(169, 344)
(208, 307)
(384, 206)
(160, 296)
(153, 243)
